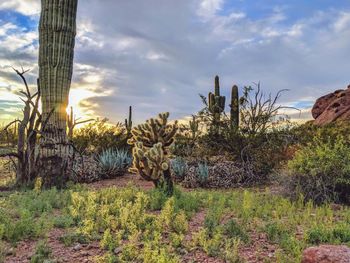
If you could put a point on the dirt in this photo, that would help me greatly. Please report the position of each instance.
(75, 253)
(258, 249)
(123, 181)
(197, 255)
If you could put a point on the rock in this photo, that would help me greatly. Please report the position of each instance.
(10, 252)
(332, 107)
(118, 250)
(77, 247)
(326, 254)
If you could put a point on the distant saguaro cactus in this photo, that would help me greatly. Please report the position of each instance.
(194, 128)
(128, 123)
(234, 107)
(72, 122)
(216, 103)
(57, 30)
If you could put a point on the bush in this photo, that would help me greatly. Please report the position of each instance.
(234, 230)
(321, 171)
(113, 162)
(42, 253)
(322, 234)
(63, 221)
(100, 135)
(276, 232)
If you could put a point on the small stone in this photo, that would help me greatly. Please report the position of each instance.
(10, 252)
(77, 247)
(117, 250)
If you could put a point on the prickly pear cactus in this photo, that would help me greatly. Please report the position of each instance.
(151, 142)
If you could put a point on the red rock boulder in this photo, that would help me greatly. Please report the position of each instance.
(332, 107)
(326, 254)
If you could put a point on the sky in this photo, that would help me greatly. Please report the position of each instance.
(158, 55)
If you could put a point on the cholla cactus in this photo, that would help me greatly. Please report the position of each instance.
(155, 131)
(150, 163)
(151, 143)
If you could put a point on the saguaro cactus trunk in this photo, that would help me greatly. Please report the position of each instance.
(57, 30)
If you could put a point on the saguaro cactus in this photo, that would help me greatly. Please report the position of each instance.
(151, 143)
(57, 30)
(216, 103)
(194, 128)
(72, 122)
(234, 107)
(128, 122)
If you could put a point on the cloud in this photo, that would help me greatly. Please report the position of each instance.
(26, 7)
(208, 8)
(159, 55)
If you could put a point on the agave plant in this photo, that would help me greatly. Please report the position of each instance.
(113, 162)
(179, 167)
(203, 173)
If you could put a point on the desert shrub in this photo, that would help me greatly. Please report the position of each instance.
(306, 132)
(276, 232)
(321, 234)
(8, 137)
(63, 221)
(321, 171)
(71, 238)
(179, 167)
(157, 198)
(233, 230)
(29, 214)
(259, 145)
(113, 162)
(100, 135)
(42, 253)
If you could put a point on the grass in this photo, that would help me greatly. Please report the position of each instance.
(149, 227)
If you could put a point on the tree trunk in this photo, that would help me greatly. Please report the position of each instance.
(57, 30)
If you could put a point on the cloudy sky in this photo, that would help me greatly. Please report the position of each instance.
(158, 55)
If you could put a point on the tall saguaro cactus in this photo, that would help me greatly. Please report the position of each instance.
(234, 107)
(57, 30)
(216, 104)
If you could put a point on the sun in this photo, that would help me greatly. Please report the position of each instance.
(76, 96)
